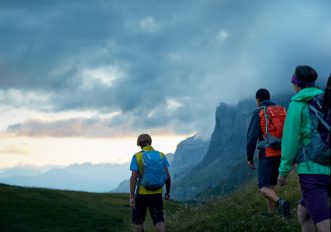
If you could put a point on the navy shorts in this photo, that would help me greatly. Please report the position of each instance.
(151, 201)
(315, 191)
(268, 171)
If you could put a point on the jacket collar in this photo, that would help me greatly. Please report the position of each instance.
(148, 148)
(306, 94)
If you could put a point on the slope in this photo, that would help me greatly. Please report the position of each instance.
(39, 210)
(244, 210)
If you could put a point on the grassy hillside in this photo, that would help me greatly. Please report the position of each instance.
(38, 210)
(245, 210)
(238, 176)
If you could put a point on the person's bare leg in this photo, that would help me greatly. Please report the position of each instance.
(271, 203)
(323, 226)
(270, 194)
(160, 227)
(271, 206)
(140, 228)
(307, 225)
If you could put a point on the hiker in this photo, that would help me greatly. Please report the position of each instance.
(300, 139)
(266, 129)
(149, 173)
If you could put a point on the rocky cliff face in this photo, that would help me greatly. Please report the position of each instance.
(123, 187)
(226, 152)
(188, 153)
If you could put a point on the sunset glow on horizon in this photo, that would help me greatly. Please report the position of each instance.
(21, 151)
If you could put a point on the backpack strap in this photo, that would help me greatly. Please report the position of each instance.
(327, 98)
(319, 116)
(265, 118)
(139, 158)
(271, 112)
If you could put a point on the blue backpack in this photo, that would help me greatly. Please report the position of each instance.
(153, 174)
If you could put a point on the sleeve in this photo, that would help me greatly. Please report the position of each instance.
(166, 163)
(253, 134)
(134, 164)
(291, 138)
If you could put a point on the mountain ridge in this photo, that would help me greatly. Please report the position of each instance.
(80, 177)
(226, 152)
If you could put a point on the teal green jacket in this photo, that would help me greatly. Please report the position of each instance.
(297, 133)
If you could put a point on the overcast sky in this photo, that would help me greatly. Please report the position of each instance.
(116, 68)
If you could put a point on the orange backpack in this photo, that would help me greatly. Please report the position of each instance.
(272, 120)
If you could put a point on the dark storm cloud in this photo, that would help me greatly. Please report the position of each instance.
(76, 127)
(193, 53)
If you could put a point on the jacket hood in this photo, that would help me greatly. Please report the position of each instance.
(307, 94)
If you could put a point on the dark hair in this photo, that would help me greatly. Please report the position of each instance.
(306, 76)
(144, 140)
(262, 94)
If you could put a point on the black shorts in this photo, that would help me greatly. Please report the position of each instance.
(268, 171)
(153, 202)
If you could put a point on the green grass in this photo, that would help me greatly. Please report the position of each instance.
(244, 210)
(39, 210)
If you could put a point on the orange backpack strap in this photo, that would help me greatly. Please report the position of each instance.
(271, 112)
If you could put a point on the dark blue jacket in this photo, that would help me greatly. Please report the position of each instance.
(254, 132)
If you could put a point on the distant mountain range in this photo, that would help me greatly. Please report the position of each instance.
(21, 171)
(81, 177)
(123, 187)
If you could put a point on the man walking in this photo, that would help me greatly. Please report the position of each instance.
(149, 173)
(266, 127)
